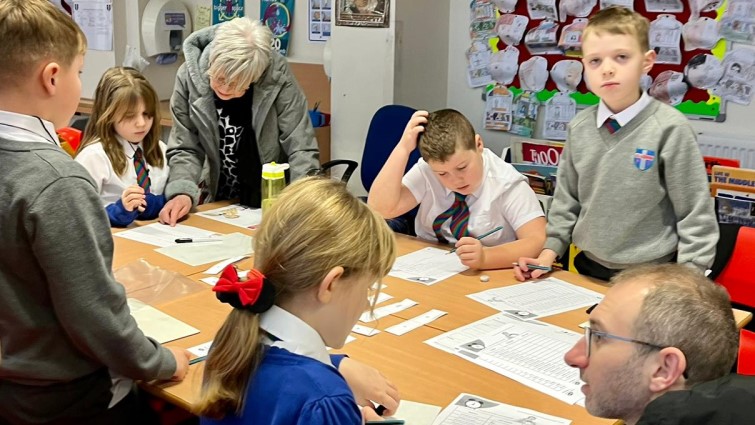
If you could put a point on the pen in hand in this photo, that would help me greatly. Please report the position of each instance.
(197, 360)
(484, 235)
(535, 267)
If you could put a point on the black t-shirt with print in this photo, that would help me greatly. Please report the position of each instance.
(240, 164)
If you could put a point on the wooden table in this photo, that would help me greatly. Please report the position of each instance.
(422, 373)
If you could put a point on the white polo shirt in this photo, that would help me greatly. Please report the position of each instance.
(109, 184)
(503, 199)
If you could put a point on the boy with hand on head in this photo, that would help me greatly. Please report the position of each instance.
(64, 322)
(463, 191)
(631, 186)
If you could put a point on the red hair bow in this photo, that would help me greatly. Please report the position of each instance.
(248, 291)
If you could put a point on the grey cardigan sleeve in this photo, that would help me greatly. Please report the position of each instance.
(73, 245)
(185, 152)
(297, 137)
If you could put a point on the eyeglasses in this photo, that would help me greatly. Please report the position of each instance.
(590, 333)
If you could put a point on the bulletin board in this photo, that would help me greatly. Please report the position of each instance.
(696, 104)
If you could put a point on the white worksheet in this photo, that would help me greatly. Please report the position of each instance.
(231, 246)
(162, 235)
(158, 325)
(539, 298)
(531, 353)
(427, 266)
(235, 215)
(469, 409)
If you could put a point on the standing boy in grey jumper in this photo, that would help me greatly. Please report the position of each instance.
(64, 321)
(631, 181)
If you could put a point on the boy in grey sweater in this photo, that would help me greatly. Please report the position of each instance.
(64, 321)
(631, 181)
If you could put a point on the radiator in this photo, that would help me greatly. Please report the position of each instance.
(734, 147)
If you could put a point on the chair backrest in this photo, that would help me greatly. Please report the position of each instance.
(737, 276)
(746, 356)
(385, 131)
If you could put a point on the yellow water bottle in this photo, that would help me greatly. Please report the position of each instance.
(273, 183)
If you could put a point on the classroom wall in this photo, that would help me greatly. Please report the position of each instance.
(127, 30)
(469, 101)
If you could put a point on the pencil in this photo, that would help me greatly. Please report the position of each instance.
(197, 360)
(535, 267)
(482, 236)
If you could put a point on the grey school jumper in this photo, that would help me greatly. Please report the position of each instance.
(62, 314)
(636, 195)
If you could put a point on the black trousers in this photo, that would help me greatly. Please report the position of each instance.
(83, 401)
(588, 267)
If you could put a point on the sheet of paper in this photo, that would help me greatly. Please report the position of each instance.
(158, 325)
(531, 352)
(95, 18)
(349, 338)
(161, 235)
(415, 322)
(387, 310)
(540, 298)
(364, 330)
(383, 297)
(235, 215)
(195, 254)
(469, 409)
(217, 268)
(201, 349)
(414, 413)
(212, 280)
(427, 266)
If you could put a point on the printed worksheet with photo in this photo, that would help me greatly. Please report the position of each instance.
(470, 409)
(427, 266)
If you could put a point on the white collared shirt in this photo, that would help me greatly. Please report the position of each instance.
(626, 115)
(109, 184)
(504, 198)
(294, 335)
(26, 128)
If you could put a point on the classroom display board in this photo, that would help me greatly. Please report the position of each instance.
(526, 53)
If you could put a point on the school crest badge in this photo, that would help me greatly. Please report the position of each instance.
(644, 159)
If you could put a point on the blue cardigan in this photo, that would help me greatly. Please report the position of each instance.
(290, 389)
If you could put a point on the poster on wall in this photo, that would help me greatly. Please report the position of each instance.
(278, 16)
(225, 10)
(95, 18)
(363, 13)
(320, 19)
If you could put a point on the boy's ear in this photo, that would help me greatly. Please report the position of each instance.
(50, 73)
(649, 61)
(328, 285)
(478, 143)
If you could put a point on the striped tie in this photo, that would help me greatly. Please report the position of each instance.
(142, 176)
(459, 215)
(612, 125)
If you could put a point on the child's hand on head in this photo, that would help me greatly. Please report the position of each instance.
(414, 127)
(133, 198)
(369, 385)
(470, 252)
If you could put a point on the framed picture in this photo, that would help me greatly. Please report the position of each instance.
(363, 13)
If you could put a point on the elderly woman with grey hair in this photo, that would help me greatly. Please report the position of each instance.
(237, 105)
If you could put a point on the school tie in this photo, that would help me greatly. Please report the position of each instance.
(612, 125)
(459, 215)
(142, 177)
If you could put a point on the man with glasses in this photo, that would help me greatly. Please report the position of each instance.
(236, 105)
(659, 349)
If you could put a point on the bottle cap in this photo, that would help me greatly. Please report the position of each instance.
(272, 170)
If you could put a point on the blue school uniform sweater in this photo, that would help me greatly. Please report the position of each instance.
(291, 389)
